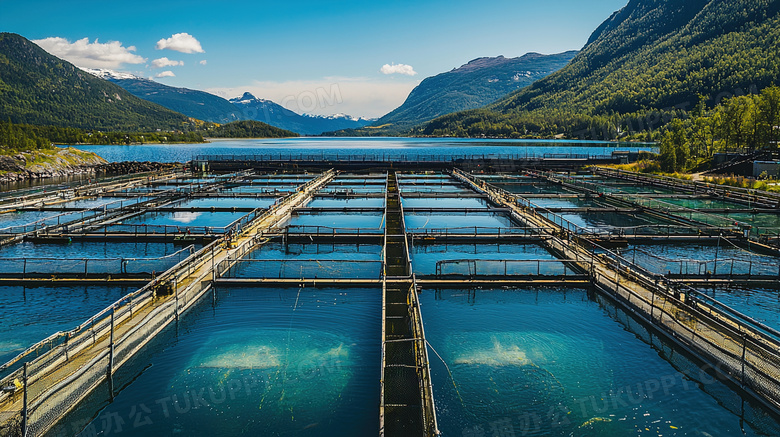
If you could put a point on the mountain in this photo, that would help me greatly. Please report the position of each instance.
(642, 63)
(41, 89)
(252, 108)
(476, 84)
(192, 103)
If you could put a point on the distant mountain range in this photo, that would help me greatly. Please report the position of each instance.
(476, 84)
(41, 89)
(651, 57)
(274, 114)
(208, 107)
(193, 103)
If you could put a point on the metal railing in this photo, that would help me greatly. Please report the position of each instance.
(303, 269)
(505, 268)
(92, 266)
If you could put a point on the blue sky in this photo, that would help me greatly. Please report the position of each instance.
(290, 50)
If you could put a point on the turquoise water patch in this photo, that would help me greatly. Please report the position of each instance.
(365, 222)
(364, 202)
(311, 261)
(419, 221)
(433, 188)
(759, 304)
(697, 259)
(600, 222)
(446, 202)
(425, 258)
(31, 314)
(297, 367)
(265, 362)
(186, 218)
(533, 188)
(228, 202)
(570, 202)
(88, 249)
(553, 362)
(10, 219)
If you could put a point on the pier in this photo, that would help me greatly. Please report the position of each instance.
(385, 216)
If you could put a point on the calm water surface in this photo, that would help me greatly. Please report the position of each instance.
(411, 148)
(553, 363)
(261, 362)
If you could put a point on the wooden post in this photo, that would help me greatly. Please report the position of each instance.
(111, 357)
(24, 403)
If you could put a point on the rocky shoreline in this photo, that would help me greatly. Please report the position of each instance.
(38, 165)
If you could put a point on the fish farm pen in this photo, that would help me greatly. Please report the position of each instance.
(466, 296)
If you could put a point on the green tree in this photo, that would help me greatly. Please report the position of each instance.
(770, 114)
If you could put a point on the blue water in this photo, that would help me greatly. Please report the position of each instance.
(186, 218)
(433, 188)
(30, 314)
(601, 221)
(355, 188)
(335, 148)
(446, 202)
(425, 257)
(551, 362)
(698, 259)
(567, 202)
(418, 221)
(262, 362)
(759, 304)
(228, 202)
(330, 202)
(275, 260)
(114, 202)
(10, 219)
(83, 249)
(264, 188)
(365, 222)
(534, 188)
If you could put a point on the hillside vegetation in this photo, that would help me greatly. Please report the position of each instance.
(650, 62)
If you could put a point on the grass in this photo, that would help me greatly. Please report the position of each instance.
(743, 182)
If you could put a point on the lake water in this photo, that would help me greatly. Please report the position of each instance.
(344, 147)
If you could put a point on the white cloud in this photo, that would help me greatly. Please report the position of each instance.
(404, 69)
(203, 62)
(165, 74)
(165, 62)
(91, 55)
(180, 42)
(355, 96)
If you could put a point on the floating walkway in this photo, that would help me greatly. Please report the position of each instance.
(48, 380)
(406, 407)
(44, 386)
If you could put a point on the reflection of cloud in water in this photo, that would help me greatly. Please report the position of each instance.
(185, 216)
(498, 355)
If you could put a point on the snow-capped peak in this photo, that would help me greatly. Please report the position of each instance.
(248, 98)
(339, 116)
(109, 74)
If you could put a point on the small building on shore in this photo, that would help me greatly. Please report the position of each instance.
(772, 168)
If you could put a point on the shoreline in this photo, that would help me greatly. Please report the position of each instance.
(66, 162)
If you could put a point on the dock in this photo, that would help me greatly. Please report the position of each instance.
(46, 381)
